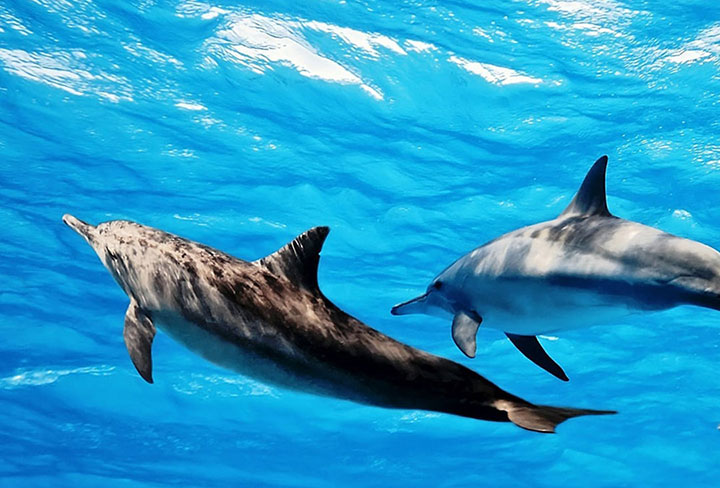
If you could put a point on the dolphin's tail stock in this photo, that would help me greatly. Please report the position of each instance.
(542, 418)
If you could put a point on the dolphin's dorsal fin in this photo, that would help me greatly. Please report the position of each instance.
(298, 260)
(590, 198)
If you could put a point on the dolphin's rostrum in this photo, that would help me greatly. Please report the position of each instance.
(584, 267)
(269, 320)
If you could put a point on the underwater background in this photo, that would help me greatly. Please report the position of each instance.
(416, 130)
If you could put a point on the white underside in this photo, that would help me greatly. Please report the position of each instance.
(533, 310)
(226, 354)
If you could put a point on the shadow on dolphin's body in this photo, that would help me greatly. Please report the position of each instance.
(268, 319)
(585, 267)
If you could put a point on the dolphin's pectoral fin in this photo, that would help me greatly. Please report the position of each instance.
(298, 260)
(464, 330)
(590, 198)
(531, 348)
(138, 334)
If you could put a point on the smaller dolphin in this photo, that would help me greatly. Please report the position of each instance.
(583, 268)
(269, 320)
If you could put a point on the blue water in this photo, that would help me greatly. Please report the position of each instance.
(416, 130)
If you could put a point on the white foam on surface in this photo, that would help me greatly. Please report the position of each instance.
(419, 46)
(192, 106)
(260, 43)
(497, 75)
(704, 47)
(367, 41)
(64, 70)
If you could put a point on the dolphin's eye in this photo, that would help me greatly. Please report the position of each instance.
(437, 285)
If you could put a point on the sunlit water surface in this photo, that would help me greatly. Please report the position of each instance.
(416, 130)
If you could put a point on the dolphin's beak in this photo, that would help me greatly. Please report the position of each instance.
(84, 229)
(416, 305)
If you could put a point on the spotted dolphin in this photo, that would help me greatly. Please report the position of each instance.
(268, 319)
(583, 268)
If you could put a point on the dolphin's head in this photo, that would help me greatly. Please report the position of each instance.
(437, 300)
(108, 240)
(96, 236)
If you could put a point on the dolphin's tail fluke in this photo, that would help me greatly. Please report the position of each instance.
(541, 418)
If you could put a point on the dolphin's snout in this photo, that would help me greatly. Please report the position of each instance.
(416, 305)
(82, 228)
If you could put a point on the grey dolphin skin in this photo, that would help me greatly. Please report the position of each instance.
(583, 268)
(268, 320)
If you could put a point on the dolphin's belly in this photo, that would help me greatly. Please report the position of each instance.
(287, 369)
(530, 307)
(236, 357)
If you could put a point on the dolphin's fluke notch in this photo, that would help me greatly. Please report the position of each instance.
(590, 198)
(541, 418)
(531, 348)
(298, 260)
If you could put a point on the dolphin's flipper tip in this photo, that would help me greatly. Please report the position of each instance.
(541, 418)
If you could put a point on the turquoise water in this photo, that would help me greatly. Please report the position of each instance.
(416, 130)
